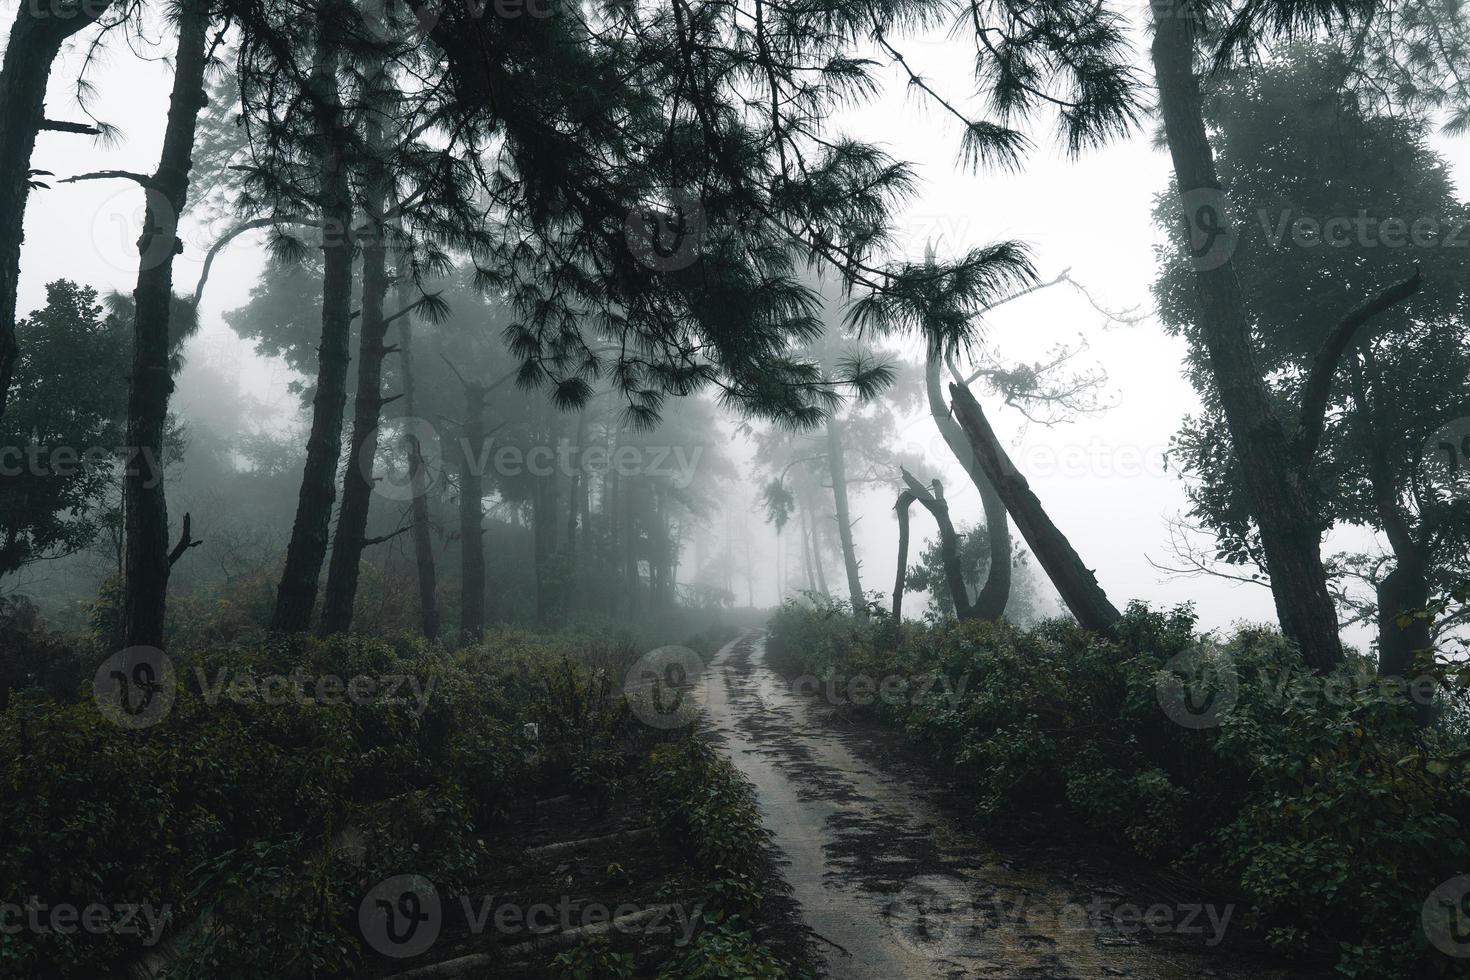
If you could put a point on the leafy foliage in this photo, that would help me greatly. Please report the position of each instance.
(1316, 797)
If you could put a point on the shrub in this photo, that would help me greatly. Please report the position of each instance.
(1316, 798)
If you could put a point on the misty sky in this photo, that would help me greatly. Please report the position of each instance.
(1101, 477)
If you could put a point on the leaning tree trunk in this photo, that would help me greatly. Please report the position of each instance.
(472, 518)
(837, 466)
(1074, 581)
(351, 541)
(1290, 535)
(35, 40)
(148, 560)
(996, 592)
(307, 549)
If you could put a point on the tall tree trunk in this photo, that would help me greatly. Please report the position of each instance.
(818, 563)
(837, 467)
(35, 40)
(420, 479)
(350, 541)
(1073, 580)
(1290, 532)
(577, 494)
(148, 560)
(806, 553)
(472, 518)
(1404, 591)
(631, 574)
(996, 592)
(307, 549)
(545, 518)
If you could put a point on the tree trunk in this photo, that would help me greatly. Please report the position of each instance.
(990, 604)
(472, 519)
(1290, 535)
(151, 382)
(1073, 580)
(577, 494)
(837, 466)
(357, 480)
(307, 550)
(629, 557)
(806, 553)
(1405, 589)
(350, 540)
(420, 480)
(35, 39)
(949, 546)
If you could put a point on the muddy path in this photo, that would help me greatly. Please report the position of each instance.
(894, 886)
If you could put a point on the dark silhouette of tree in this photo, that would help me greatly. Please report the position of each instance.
(35, 40)
(1325, 194)
(1275, 461)
(58, 457)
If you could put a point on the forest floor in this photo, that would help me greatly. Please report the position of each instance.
(895, 880)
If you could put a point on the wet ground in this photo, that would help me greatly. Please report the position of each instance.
(894, 885)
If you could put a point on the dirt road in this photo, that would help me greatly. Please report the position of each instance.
(893, 887)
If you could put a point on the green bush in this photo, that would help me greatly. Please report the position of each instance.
(270, 813)
(1316, 798)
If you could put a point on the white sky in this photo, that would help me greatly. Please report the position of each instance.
(1108, 492)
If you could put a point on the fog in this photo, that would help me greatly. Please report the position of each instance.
(1102, 474)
